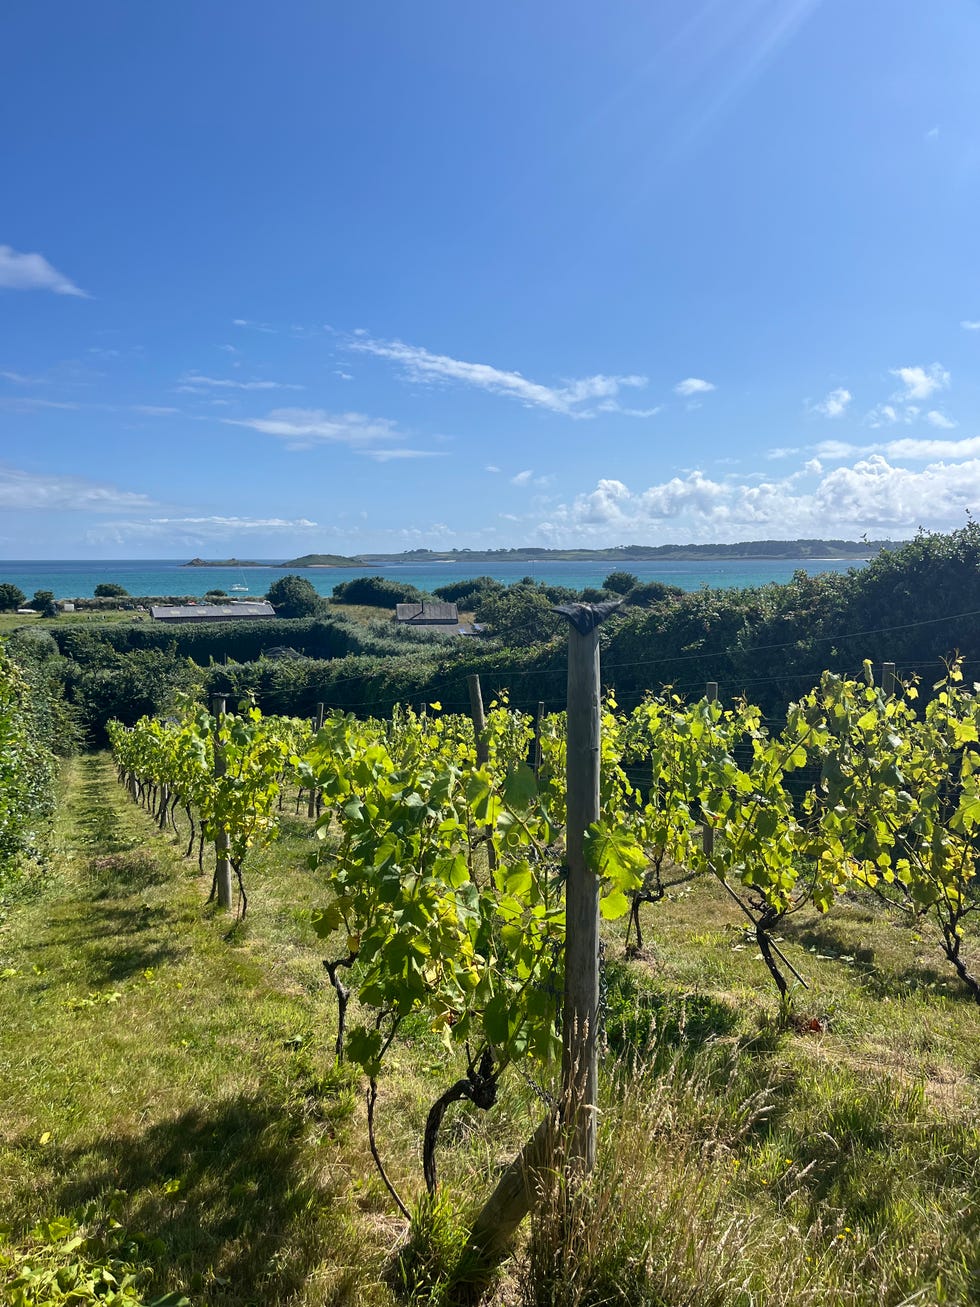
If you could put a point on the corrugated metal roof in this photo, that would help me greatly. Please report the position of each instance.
(212, 612)
(426, 612)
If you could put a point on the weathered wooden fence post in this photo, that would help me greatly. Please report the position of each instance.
(311, 806)
(580, 1022)
(479, 720)
(565, 1139)
(538, 727)
(482, 749)
(888, 679)
(707, 832)
(222, 843)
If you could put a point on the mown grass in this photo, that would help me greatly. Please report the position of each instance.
(163, 1061)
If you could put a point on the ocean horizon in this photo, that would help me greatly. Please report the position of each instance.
(77, 578)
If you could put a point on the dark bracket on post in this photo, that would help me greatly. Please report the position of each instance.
(586, 617)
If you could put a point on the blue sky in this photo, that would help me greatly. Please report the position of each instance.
(329, 277)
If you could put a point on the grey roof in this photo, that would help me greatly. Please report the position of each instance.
(212, 612)
(426, 612)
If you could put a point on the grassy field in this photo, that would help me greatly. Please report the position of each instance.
(171, 1111)
(11, 622)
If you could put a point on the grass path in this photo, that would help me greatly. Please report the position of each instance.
(150, 1055)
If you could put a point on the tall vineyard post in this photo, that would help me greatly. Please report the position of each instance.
(311, 806)
(482, 748)
(222, 840)
(580, 1058)
(707, 833)
(568, 1135)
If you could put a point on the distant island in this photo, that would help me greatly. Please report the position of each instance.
(223, 562)
(324, 560)
(754, 549)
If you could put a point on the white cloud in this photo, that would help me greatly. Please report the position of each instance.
(693, 386)
(926, 449)
(237, 523)
(920, 383)
(522, 478)
(872, 494)
(35, 490)
(387, 455)
(967, 325)
(883, 413)
(571, 398)
(194, 383)
(154, 410)
(937, 419)
(28, 402)
(303, 428)
(835, 404)
(21, 379)
(34, 272)
(491, 467)
(267, 327)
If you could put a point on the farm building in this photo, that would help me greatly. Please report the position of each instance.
(428, 613)
(242, 612)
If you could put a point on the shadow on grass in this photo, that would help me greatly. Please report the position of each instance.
(878, 981)
(641, 1016)
(109, 940)
(132, 870)
(220, 1191)
(96, 822)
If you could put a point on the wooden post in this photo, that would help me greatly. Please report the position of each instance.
(707, 834)
(311, 806)
(482, 751)
(538, 725)
(580, 1062)
(222, 865)
(479, 720)
(888, 679)
(565, 1139)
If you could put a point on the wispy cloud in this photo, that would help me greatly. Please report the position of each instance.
(835, 404)
(236, 523)
(387, 455)
(25, 403)
(937, 419)
(34, 272)
(21, 379)
(573, 398)
(195, 383)
(969, 325)
(920, 383)
(35, 490)
(154, 410)
(266, 327)
(693, 386)
(302, 428)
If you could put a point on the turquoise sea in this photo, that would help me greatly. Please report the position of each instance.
(77, 579)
